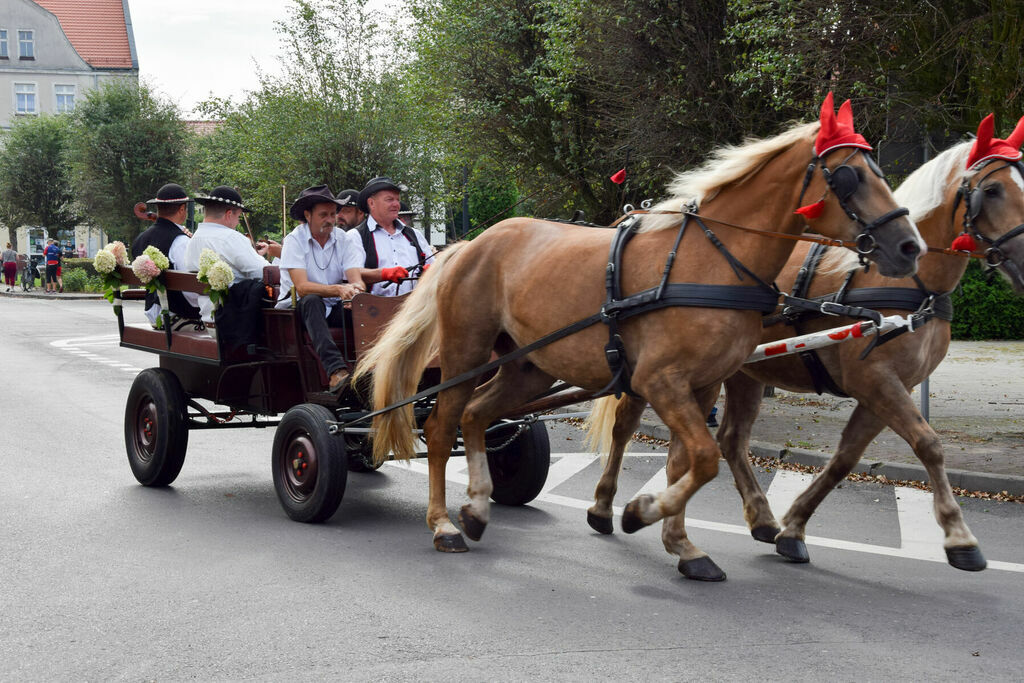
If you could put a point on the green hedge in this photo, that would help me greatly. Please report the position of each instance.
(83, 263)
(986, 310)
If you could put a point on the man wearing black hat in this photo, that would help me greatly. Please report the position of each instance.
(390, 247)
(167, 235)
(223, 209)
(349, 215)
(316, 258)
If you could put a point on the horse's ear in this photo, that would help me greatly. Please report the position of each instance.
(1017, 136)
(846, 115)
(828, 115)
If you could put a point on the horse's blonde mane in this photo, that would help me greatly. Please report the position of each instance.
(922, 192)
(727, 164)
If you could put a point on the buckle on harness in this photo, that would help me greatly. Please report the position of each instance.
(831, 308)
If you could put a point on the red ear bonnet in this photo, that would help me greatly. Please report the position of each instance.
(837, 131)
(986, 148)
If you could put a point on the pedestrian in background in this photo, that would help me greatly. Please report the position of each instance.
(52, 257)
(10, 261)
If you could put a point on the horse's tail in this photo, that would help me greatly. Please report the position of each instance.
(397, 359)
(601, 424)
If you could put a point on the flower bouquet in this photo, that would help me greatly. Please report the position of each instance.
(147, 267)
(216, 274)
(106, 262)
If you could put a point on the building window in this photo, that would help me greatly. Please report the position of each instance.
(3, 44)
(26, 45)
(65, 98)
(25, 98)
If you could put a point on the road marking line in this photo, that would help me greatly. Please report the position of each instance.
(655, 484)
(919, 531)
(565, 468)
(909, 553)
(784, 489)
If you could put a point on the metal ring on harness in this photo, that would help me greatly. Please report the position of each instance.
(628, 208)
(994, 257)
(646, 204)
(866, 244)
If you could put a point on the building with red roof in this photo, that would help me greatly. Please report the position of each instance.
(52, 51)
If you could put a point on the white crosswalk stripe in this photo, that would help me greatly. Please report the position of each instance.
(921, 537)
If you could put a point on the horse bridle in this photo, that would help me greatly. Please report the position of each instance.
(843, 182)
(974, 199)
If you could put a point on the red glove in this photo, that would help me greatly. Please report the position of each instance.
(396, 274)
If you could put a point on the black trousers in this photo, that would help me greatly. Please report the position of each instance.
(314, 316)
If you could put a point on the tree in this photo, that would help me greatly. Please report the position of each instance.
(340, 114)
(34, 175)
(126, 144)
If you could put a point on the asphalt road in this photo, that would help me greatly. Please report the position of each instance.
(101, 578)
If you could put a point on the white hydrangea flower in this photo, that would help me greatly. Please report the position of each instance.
(158, 257)
(220, 276)
(206, 259)
(104, 262)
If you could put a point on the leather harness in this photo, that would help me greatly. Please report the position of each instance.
(921, 300)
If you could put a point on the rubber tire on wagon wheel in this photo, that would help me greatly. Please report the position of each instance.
(156, 427)
(520, 469)
(309, 464)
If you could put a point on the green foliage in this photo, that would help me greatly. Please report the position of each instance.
(34, 174)
(340, 114)
(126, 144)
(80, 264)
(76, 280)
(986, 309)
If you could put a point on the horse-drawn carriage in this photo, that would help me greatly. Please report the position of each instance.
(205, 382)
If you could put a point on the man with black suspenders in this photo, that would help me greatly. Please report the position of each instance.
(390, 247)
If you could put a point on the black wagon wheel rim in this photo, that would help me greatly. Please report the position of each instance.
(147, 429)
(300, 466)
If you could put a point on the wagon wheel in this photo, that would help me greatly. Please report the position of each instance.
(309, 464)
(520, 468)
(155, 427)
(359, 450)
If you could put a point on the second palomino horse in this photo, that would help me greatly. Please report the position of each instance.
(524, 278)
(979, 187)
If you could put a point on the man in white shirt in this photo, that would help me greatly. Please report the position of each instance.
(168, 235)
(223, 209)
(390, 248)
(316, 258)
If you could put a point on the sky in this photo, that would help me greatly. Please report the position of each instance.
(190, 48)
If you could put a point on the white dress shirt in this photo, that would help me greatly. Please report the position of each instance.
(233, 247)
(324, 265)
(392, 250)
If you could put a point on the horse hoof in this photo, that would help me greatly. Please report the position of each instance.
(602, 525)
(450, 543)
(968, 558)
(631, 521)
(701, 569)
(471, 524)
(765, 533)
(793, 549)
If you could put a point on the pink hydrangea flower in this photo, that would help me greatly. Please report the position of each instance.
(145, 269)
(119, 251)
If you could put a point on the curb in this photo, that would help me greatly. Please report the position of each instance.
(68, 296)
(972, 481)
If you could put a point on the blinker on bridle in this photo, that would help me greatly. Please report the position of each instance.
(843, 182)
(974, 199)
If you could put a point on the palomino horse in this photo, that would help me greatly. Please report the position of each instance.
(964, 185)
(524, 278)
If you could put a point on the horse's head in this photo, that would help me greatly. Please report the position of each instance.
(856, 203)
(992, 195)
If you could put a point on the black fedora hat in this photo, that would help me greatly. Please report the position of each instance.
(373, 187)
(311, 196)
(222, 194)
(171, 193)
(348, 198)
